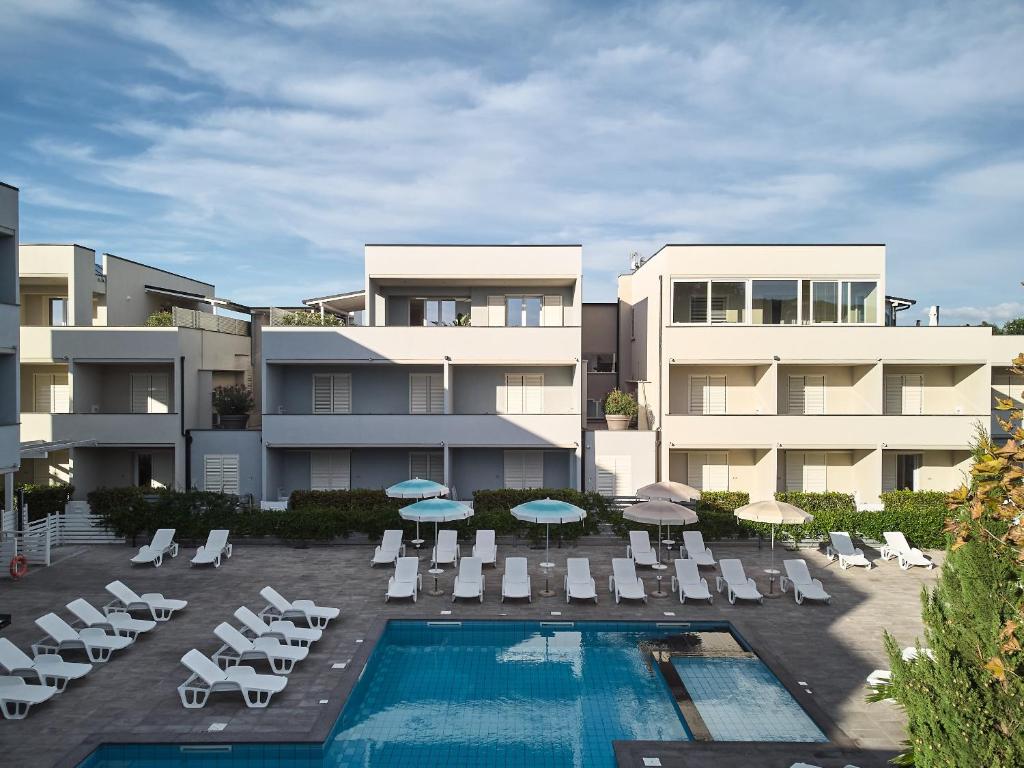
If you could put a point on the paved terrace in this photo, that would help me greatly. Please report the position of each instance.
(133, 698)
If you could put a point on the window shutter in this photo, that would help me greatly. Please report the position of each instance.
(888, 471)
(513, 470)
(697, 386)
(714, 401)
(913, 399)
(716, 472)
(533, 393)
(427, 465)
(695, 471)
(515, 399)
(718, 309)
(814, 475)
(698, 309)
(159, 393)
(552, 311)
(797, 395)
(50, 393)
(140, 392)
(794, 471)
(614, 476)
(495, 311)
(329, 470)
(814, 395)
(341, 386)
(533, 469)
(436, 383)
(220, 473)
(322, 394)
(60, 394)
(419, 393)
(893, 395)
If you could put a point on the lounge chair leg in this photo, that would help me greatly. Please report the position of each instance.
(14, 710)
(98, 655)
(193, 698)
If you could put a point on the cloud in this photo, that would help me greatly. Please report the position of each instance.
(996, 314)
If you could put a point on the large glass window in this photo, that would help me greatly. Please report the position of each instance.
(774, 302)
(860, 301)
(690, 302)
(58, 311)
(436, 312)
(728, 301)
(522, 311)
(824, 301)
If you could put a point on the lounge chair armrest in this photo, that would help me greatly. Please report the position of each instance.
(565, 582)
(391, 582)
(718, 583)
(674, 583)
(751, 583)
(527, 581)
(818, 584)
(401, 549)
(859, 551)
(229, 549)
(705, 583)
(483, 581)
(611, 583)
(419, 580)
(629, 551)
(783, 582)
(707, 551)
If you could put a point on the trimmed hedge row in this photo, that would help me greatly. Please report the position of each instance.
(43, 500)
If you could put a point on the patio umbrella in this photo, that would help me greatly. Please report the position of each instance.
(437, 511)
(775, 513)
(416, 489)
(550, 512)
(667, 490)
(659, 513)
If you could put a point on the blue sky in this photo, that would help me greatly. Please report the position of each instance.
(259, 145)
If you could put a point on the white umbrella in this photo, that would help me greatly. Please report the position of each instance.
(669, 490)
(775, 513)
(659, 513)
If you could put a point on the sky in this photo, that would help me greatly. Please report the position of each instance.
(258, 145)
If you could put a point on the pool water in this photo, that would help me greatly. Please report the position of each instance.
(512, 694)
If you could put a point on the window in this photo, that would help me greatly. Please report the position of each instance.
(598, 362)
(707, 395)
(728, 301)
(332, 393)
(807, 395)
(708, 471)
(426, 393)
(427, 465)
(523, 311)
(437, 312)
(904, 395)
(824, 301)
(860, 301)
(50, 393)
(524, 469)
(150, 393)
(689, 302)
(144, 470)
(329, 470)
(907, 465)
(524, 393)
(806, 471)
(595, 409)
(615, 476)
(774, 302)
(58, 311)
(220, 473)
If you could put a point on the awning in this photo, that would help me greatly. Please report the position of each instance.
(339, 303)
(40, 449)
(199, 298)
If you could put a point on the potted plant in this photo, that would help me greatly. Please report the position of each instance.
(619, 409)
(232, 405)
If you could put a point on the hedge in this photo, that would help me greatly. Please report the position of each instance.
(43, 500)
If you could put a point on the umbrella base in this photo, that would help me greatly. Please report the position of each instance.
(659, 593)
(547, 565)
(417, 543)
(546, 593)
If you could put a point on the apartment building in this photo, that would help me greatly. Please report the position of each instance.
(768, 368)
(107, 397)
(465, 369)
(9, 391)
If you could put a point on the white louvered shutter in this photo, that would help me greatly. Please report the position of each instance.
(893, 395)
(220, 473)
(614, 475)
(436, 392)
(323, 395)
(714, 401)
(159, 393)
(419, 393)
(533, 469)
(552, 313)
(698, 384)
(427, 465)
(341, 389)
(814, 475)
(695, 470)
(140, 392)
(716, 471)
(888, 471)
(797, 395)
(533, 393)
(329, 470)
(514, 470)
(794, 471)
(495, 311)
(814, 395)
(515, 395)
(60, 394)
(913, 394)
(50, 393)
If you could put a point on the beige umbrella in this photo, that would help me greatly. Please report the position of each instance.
(659, 512)
(669, 491)
(775, 513)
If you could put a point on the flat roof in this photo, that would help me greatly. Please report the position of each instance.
(752, 245)
(473, 245)
(158, 269)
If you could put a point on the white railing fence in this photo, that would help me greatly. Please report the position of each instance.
(36, 540)
(207, 321)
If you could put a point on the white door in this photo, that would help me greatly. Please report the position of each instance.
(427, 465)
(524, 469)
(807, 395)
(329, 470)
(904, 394)
(220, 473)
(806, 471)
(708, 471)
(426, 393)
(50, 392)
(150, 393)
(615, 475)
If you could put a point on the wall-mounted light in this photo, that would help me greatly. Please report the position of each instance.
(776, 358)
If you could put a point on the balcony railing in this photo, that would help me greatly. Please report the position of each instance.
(206, 321)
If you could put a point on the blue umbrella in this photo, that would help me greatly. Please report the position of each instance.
(435, 511)
(416, 488)
(550, 512)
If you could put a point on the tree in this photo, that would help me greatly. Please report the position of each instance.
(964, 701)
(1014, 327)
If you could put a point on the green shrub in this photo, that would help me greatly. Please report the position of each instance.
(303, 318)
(43, 500)
(123, 510)
(492, 510)
(161, 319)
(920, 515)
(234, 400)
(619, 403)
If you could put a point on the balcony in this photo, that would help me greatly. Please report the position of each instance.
(8, 446)
(8, 326)
(526, 430)
(104, 428)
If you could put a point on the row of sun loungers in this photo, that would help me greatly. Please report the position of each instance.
(97, 633)
(163, 545)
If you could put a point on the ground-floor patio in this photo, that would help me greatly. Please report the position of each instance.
(824, 651)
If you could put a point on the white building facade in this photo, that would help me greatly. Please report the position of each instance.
(9, 341)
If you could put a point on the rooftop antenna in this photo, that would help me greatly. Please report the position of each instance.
(634, 261)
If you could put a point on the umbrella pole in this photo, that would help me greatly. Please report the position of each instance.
(435, 571)
(546, 565)
(659, 541)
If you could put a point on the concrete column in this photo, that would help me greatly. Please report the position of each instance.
(9, 494)
(447, 459)
(447, 388)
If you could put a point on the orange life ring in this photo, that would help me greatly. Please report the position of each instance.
(19, 566)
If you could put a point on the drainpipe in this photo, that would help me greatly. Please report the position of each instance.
(181, 420)
(188, 459)
(661, 377)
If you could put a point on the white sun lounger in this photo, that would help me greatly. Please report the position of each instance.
(693, 543)
(469, 582)
(389, 549)
(49, 668)
(689, 583)
(804, 586)
(94, 641)
(207, 678)
(515, 583)
(238, 648)
(485, 548)
(842, 548)
(125, 600)
(624, 582)
(447, 550)
(216, 545)
(640, 548)
(17, 696)
(279, 628)
(739, 586)
(153, 553)
(883, 676)
(316, 616)
(118, 622)
(578, 582)
(896, 545)
(407, 581)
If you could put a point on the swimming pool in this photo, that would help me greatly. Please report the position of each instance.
(538, 694)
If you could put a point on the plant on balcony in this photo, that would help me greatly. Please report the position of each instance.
(161, 319)
(963, 699)
(232, 404)
(619, 409)
(304, 318)
(462, 319)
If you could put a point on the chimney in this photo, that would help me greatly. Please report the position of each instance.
(933, 315)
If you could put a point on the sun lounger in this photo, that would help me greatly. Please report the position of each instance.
(693, 543)
(640, 548)
(118, 622)
(95, 642)
(238, 648)
(207, 678)
(316, 616)
(210, 553)
(407, 581)
(688, 582)
(739, 586)
(515, 583)
(883, 676)
(125, 600)
(485, 548)
(469, 582)
(896, 545)
(624, 582)
(447, 550)
(279, 628)
(153, 553)
(49, 668)
(842, 548)
(17, 696)
(390, 548)
(579, 584)
(804, 586)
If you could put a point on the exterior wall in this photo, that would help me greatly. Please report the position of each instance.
(375, 388)
(68, 267)
(481, 389)
(637, 446)
(114, 467)
(245, 443)
(9, 337)
(476, 469)
(129, 304)
(600, 337)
